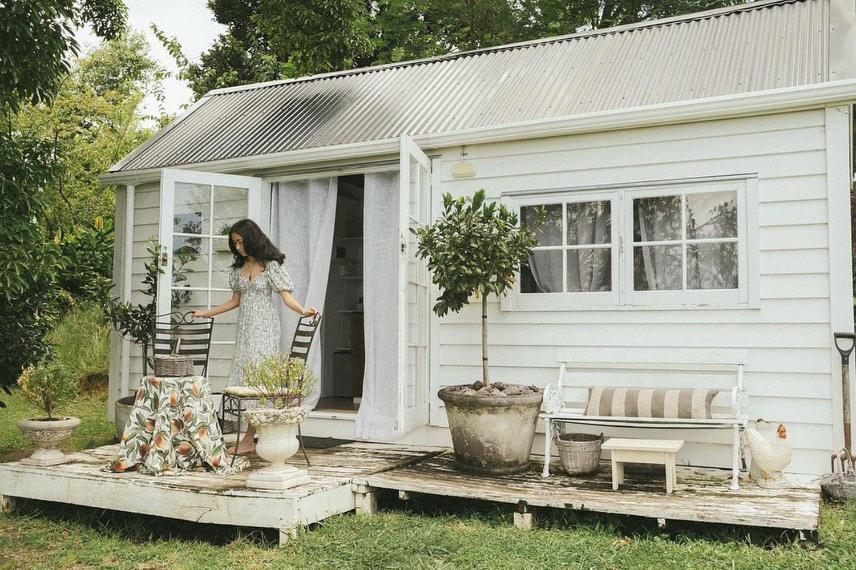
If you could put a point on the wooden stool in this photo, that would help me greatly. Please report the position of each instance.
(655, 451)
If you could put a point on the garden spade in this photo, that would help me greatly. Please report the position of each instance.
(845, 343)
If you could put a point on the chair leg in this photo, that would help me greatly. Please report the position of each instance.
(238, 433)
(303, 447)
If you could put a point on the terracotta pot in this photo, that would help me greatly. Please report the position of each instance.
(47, 434)
(492, 434)
(121, 412)
(277, 430)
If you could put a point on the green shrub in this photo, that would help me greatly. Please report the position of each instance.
(48, 385)
(81, 342)
(283, 381)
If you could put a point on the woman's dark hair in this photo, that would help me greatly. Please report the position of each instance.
(256, 244)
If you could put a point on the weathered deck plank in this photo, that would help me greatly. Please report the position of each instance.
(205, 497)
(701, 495)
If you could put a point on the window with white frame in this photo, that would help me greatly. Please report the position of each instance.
(672, 245)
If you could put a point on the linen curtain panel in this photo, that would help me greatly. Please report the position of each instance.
(303, 216)
(657, 219)
(377, 418)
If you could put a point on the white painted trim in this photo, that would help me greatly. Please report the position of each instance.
(127, 276)
(744, 104)
(838, 168)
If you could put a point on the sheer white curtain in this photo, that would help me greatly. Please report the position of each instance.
(378, 415)
(303, 216)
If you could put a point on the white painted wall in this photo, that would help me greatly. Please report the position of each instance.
(791, 375)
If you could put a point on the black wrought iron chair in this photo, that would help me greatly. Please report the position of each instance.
(195, 335)
(233, 404)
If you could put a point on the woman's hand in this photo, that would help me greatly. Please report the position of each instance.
(310, 312)
(201, 315)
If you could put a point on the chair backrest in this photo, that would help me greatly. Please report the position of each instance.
(195, 335)
(303, 336)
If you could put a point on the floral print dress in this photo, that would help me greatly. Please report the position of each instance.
(258, 333)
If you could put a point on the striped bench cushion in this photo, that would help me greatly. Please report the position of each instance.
(650, 403)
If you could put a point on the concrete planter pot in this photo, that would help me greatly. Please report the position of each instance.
(121, 411)
(277, 444)
(47, 434)
(492, 434)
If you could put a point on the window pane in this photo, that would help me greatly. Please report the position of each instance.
(589, 270)
(589, 222)
(230, 205)
(548, 233)
(657, 218)
(712, 215)
(712, 266)
(657, 268)
(192, 208)
(544, 274)
(190, 262)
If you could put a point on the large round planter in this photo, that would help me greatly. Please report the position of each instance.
(121, 412)
(277, 430)
(47, 434)
(492, 434)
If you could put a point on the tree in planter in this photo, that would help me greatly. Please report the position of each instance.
(475, 248)
(137, 321)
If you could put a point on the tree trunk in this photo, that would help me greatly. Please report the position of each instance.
(485, 377)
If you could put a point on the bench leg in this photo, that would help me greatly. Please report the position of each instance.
(548, 448)
(735, 458)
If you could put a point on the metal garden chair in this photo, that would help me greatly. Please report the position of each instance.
(195, 336)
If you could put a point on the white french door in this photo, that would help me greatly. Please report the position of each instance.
(414, 287)
(196, 211)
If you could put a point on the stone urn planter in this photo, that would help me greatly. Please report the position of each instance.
(492, 429)
(47, 434)
(277, 429)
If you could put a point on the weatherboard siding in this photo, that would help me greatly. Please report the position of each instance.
(790, 369)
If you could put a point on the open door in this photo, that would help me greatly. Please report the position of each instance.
(196, 211)
(414, 296)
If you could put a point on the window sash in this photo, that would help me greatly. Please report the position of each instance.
(623, 295)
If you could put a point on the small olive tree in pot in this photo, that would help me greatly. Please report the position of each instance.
(474, 250)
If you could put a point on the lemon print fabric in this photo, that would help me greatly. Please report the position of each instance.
(173, 427)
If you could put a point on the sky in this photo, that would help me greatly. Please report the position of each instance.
(189, 21)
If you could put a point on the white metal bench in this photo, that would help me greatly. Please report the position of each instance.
(592, 365)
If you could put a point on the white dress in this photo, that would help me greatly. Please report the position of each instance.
(258, 332)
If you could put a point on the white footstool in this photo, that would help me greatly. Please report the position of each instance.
(655, 451)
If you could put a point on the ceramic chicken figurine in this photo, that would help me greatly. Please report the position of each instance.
(770, 457)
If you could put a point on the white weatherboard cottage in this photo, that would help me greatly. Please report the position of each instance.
(696, 173)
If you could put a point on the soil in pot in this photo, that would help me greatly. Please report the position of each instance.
(492, 427)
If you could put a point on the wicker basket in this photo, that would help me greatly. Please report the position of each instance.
(579, 452)
(174, 365)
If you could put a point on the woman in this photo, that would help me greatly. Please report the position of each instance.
(256, 273)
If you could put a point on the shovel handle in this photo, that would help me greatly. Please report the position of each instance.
(845, 350)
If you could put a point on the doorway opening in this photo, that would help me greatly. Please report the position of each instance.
(343, 330)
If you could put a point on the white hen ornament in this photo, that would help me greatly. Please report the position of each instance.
(770, 457)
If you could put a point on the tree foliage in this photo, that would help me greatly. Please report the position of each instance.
(279, 39)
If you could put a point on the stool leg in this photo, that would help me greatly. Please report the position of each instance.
(670, 473)
(616, 474)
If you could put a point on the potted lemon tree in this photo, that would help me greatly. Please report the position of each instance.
(48, 385)
(474, 250)
(282, 382)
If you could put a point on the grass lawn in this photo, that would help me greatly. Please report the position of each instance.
(421, 533)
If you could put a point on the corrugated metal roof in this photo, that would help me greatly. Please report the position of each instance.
(752, 47)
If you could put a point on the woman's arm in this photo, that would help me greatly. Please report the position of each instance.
(225, 307)
(292, 304)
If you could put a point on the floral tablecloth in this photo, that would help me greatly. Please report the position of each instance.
(173, 427)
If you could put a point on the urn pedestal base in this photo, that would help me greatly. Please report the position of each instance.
(277, 477)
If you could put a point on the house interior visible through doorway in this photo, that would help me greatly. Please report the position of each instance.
(342, 332)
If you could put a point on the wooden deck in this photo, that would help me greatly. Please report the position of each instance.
(205, 497)
(701, 495)
(347, 477)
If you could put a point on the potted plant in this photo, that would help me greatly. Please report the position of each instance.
(48, 385)
(474, 249)
(282, 382)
